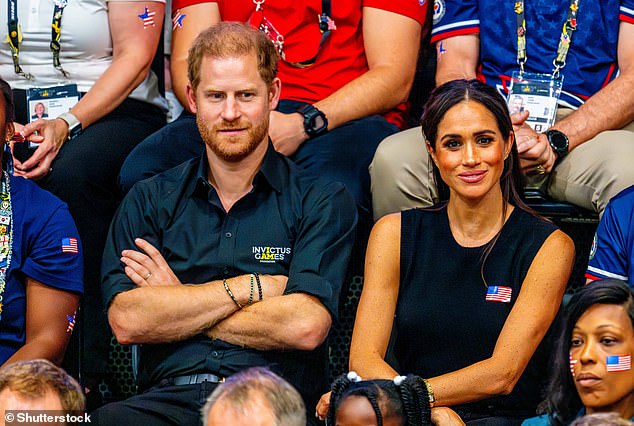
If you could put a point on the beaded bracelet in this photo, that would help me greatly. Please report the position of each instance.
(430, 392)
(251, 291)
(224, 282)
(257, 280)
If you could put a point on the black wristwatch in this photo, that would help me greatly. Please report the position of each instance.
(558, 142)
(315, 121)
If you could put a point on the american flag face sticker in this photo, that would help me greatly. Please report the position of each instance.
(71, 322)
(177, 21)
(573, 362)
(618, 362)
(69, 245)
(147, 17)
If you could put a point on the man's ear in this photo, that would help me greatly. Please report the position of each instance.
(191, 98)
(274, 93)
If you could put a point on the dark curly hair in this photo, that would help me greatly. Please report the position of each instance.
(408, 401)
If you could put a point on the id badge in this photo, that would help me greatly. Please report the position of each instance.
(49, 103)
(538, 94)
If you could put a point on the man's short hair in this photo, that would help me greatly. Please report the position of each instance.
(238, 391)
(34, 378)
(229, 40)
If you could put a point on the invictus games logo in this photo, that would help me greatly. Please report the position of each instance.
(268, 254)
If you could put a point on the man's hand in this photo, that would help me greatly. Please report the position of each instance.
(533, 148)
(287, 132)
(148, 269)
(50, 135)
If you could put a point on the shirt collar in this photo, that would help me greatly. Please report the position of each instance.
(271, 173)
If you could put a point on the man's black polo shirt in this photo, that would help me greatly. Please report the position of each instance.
(291, 224)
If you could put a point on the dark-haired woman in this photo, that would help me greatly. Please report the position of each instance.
(592, 368)
(471, 285)
(40, 264)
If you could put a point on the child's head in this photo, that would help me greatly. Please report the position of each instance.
(398, 402)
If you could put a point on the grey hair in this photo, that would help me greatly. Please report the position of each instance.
(283, 399)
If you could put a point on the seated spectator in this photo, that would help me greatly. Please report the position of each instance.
(612, 251)
(399, 402)
(464, 283)
(584, 157)
(92, 60)
(254, 397)
(229, 261)
(592, 364)
(39, 385)
(335, 108)
(40, 264)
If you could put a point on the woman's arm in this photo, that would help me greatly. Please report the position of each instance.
(133, 48)
(198, 17)
(375, 315)
(47, 309)
(526, 325)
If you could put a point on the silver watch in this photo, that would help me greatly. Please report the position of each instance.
(74, 125)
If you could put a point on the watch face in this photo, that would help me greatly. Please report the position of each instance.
(558, 141)
(318, 123)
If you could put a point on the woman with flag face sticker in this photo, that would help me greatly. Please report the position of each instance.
(461, 287)
(592, 368)
(41, 264)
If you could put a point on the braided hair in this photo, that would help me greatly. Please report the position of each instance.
(405, 398)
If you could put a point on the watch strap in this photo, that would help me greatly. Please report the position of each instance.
(74, 125)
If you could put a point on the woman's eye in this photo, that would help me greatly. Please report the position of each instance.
(485, 141)
(452, 144)
(576, 342)
(608, 341)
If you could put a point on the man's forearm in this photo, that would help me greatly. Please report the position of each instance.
(610, 108)
(171, 313)
(294, 321)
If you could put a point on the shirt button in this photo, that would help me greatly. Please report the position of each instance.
(214, 354)
(225, 271)
(228, 235)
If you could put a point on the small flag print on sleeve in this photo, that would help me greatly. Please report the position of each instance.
(69, 245)
(618, 362)
(499, 293)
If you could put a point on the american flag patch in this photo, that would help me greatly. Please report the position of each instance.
(618, 362)
(147, 17)
(499, 293)
(69, 245)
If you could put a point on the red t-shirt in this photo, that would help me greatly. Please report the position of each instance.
(340, 60)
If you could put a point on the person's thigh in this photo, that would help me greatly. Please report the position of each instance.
(170, 146)
(166, 405)
(595, 171)
(402, 174)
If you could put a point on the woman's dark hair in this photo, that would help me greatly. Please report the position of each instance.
(450, 94)
(562, 402)
(408, 401)
(7, 95)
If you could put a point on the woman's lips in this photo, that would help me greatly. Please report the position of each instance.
(473, 176)
(587, 379)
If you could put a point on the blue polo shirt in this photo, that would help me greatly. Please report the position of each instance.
(612, 252)
(291, 223)
(592, 59)
(42, 250)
